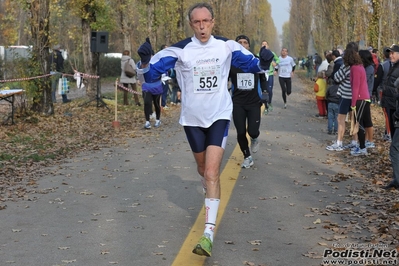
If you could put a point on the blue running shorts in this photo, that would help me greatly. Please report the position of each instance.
(200, 138)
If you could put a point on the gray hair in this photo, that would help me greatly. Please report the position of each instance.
(200, 5)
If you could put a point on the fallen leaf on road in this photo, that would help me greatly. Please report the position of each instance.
(255, 242)
(318, 221)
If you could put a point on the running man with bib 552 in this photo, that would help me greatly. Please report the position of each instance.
(202, 65)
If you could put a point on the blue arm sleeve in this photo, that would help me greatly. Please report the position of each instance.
(160, 63)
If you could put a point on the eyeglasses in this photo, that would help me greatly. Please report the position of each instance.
(204, 21)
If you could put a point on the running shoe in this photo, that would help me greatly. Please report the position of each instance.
(203, 247)
(387, 137)
(157, 123)
(285, 106)
(266, 112)
(147, 125)
(369, 144)
(358, 151)
(248, 162)
(254, 145)
(351, 145)
(334, 147)
(270, 107)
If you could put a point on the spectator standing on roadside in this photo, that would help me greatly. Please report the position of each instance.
(285, 69)
(330, 69)
(333, 100)
(57, 68)
(176, 92)
(368, 65)
(317, 62)
(342, 77)
(206, 105)
(320, 87)
(324, 64)
(125, 80)
(386, 66)
(360, 102)
(338, 61)
(394, 148)
(389, 91)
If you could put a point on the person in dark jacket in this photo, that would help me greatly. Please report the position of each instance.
(389, 92)
(390, 97)
(57, 67)
(338, 61)
(332, 99)
(386, 66)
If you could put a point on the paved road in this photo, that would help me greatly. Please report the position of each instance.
(136, 204)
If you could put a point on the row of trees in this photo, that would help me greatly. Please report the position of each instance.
(318, 25)
(44, 23)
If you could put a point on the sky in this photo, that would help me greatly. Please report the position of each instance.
(280, 13)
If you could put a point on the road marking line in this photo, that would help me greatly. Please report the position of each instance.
(228, 178)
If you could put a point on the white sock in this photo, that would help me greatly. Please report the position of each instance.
(211, 211)
(339, 142)
(354, 142)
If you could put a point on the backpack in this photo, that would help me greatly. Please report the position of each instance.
(129, 70)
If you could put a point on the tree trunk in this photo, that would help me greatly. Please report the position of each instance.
(39, 22)
(90, 60)
(124, 26)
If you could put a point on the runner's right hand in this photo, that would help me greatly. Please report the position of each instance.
(266, 58)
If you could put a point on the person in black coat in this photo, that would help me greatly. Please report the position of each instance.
(57, 68)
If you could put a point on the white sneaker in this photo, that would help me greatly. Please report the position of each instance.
(248, 162)
(157, 123)
(334, 147)
(254, 145)
(147, 125)
(369, 144)
(358, 151)
(351, 145)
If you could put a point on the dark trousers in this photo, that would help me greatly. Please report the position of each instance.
(165, 93)
(270, 84)
(150, 99)
(125, 94)
(243, 116)
(285, 84)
